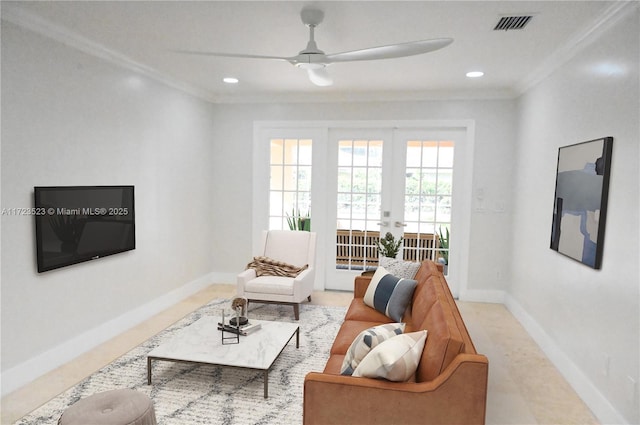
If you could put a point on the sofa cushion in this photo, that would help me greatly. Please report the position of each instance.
(348, 331)
(400, 268)
(358, 310)
(395, 359)
(334, 364)
(365, 342)
(443, 344)
(389, 294)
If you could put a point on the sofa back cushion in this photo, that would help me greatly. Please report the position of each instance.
(444, 341)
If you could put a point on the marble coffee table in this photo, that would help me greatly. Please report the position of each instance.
(201, 342)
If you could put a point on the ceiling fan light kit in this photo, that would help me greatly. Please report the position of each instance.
(315, 61)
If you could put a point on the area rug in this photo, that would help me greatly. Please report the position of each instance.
(185, 394)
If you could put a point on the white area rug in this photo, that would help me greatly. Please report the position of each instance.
(201, 394)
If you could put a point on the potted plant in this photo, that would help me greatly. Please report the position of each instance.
(388, 246)
(297, 221)
(443, 239)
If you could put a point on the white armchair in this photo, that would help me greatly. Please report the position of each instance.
(296, 248)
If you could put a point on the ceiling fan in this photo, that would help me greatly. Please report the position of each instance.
(315, 61)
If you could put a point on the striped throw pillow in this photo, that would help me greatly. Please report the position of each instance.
(395, 359)
(388, 294)
(365, 342)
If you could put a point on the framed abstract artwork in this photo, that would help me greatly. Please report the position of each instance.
(580, 204)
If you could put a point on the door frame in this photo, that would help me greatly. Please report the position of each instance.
(319, 132)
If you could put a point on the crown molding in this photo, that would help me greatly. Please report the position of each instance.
(26, 20)
(612, 15)
(370, 96)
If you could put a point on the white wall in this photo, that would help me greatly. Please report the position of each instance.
(69, 118)
(580, 315)
(495, 122)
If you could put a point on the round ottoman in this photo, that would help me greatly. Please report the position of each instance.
(116, 407)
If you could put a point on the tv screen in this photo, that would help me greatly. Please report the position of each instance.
(82, 223)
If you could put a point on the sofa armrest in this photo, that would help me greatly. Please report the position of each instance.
(360, 285)
(456, 396)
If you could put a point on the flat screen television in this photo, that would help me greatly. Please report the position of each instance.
(82, 223)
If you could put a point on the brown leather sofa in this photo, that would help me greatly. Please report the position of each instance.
(449, 386)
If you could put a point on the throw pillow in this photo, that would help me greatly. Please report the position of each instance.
(400, 268)
(395, 359)
(388, 294)
(365, 342)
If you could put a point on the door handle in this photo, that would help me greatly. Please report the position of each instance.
(383, 223)
(400, 224)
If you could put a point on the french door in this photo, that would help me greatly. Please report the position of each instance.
(367, 179)
(387, 181)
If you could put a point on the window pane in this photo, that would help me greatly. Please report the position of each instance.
(344, 179)
(290, 177)
(429, 154)
(277, 149)
(375, 180)
(412, 181)
(445, 158)
(291, 151)
(345, 153)
(304, 152)
(375, 153)
(414, 153)
(304, 179)
(275, 177)
(275, 203)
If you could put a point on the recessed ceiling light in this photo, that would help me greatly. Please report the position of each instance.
(475, 74)
(230, 80)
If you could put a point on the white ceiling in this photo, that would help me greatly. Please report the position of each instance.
(142, 34)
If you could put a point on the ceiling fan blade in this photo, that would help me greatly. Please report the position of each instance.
(391, 51)
(231, 55)
(320, 77)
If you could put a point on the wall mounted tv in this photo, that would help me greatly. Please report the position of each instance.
(82, 223)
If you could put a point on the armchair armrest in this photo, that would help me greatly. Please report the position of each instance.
(243, 278)
(303, 283)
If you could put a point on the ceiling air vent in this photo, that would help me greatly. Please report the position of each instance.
(507, 23)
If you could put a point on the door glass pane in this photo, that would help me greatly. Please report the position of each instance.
(358, 203)
(290, 182)
(428, 190)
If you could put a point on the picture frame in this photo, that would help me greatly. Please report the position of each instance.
(580, 201)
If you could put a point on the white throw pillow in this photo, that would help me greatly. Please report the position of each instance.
(395, 359)
(365, 342)
(400, 268)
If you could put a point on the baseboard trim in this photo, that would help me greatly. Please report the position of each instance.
(26, 372)
(226, 278)
(586, 390)
(482, 296)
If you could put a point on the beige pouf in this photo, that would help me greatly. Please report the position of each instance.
(116, 407)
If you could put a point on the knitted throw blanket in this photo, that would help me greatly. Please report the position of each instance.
(265, 266)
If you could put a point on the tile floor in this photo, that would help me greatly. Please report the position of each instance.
(524, 387)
